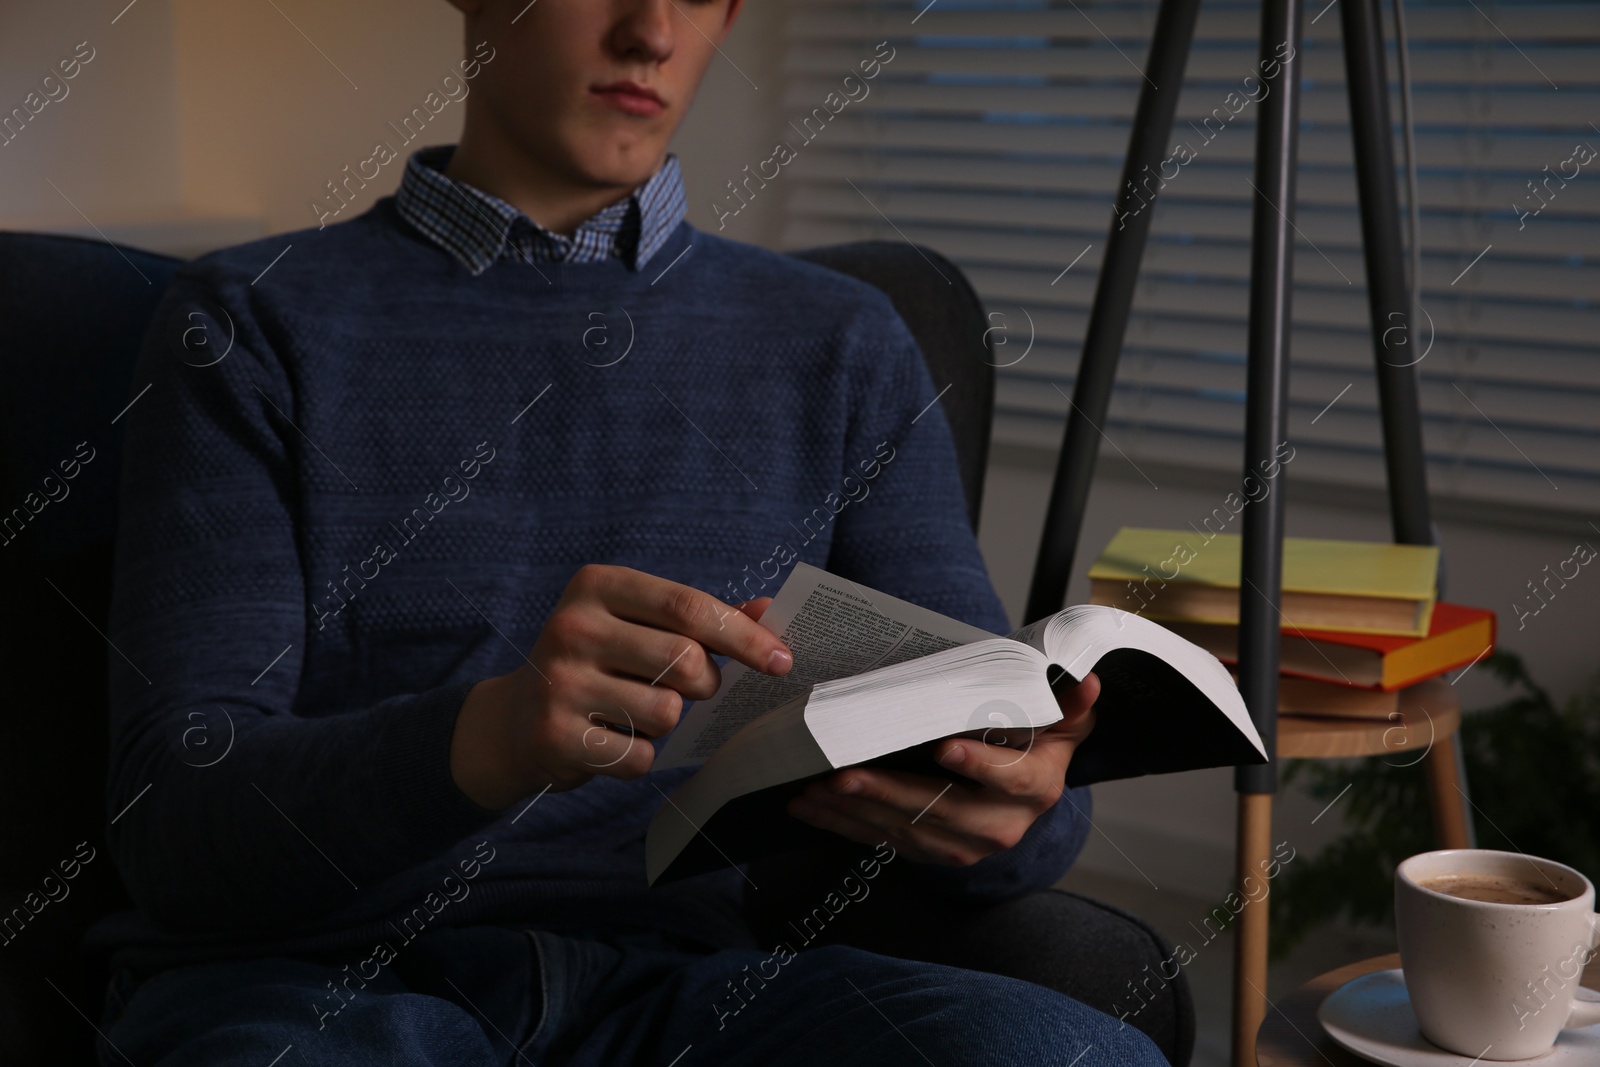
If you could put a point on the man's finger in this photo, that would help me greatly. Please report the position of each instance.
(657, 658)
(681, 609)
(974, 815)
(757, 607)
(649, 711)
(1076, 700)
(866, 821)
(1034, 773)
(601, 743)
(838, 822)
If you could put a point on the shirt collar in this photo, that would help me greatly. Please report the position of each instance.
(478, 229)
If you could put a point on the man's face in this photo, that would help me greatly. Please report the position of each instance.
(594, 88)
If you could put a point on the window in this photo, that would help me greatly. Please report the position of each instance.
(996, 136)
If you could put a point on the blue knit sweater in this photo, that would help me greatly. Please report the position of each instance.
(374, 500)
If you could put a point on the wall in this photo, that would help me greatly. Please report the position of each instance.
(734, 124)
(121, 106)
(276, 98)
(200, 124)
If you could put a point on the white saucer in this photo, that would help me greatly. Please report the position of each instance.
(1371, 1016)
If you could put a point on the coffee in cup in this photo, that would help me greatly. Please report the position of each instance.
(1493, 946)
(1494, 889)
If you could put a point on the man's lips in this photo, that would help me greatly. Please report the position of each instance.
(631, 97)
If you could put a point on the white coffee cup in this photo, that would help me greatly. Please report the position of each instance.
(1494, 980)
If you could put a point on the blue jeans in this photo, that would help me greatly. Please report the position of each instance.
(488, 995)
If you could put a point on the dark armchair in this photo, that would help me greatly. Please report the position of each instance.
(72, 315)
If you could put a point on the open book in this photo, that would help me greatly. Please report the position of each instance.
(879, 679)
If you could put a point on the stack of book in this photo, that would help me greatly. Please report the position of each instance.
(1360, 620)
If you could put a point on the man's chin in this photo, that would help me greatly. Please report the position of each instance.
(619, 169)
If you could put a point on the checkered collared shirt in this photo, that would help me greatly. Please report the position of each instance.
(478, 229)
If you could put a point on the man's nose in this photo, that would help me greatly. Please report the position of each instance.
(645, 30)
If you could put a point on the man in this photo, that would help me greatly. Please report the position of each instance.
(413, 577)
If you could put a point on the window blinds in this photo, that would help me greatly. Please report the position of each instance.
(996, 135)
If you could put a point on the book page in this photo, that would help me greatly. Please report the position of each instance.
(836, 628)
(1033, 634)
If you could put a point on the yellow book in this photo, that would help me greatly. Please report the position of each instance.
(1345, 586)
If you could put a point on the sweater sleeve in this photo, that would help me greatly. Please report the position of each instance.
(906, 533)
(231, 806)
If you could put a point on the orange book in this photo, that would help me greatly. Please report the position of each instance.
(1457, 636)
(1309, 696)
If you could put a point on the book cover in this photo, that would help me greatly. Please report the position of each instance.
(1457, 635)
(1346, 586)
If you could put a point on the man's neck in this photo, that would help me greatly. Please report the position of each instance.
(500, 169)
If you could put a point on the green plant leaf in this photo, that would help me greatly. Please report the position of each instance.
(1533, 773)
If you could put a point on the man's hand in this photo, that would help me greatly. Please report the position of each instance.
(621, 652)
(934, 821)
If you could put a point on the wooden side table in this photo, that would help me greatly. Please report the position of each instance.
(1429, 716)
(1291, 1036)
